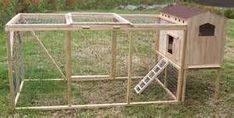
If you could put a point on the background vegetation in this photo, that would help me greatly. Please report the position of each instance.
(11, 7)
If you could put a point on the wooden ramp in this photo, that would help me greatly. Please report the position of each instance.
(153, 74)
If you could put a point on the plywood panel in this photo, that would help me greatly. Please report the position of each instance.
(204, 50)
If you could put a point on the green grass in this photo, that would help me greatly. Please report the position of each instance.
(198, 93)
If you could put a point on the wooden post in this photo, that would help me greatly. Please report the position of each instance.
(217, 85)
(129, 67)
(114, 46)
(184, 85)
(68, 39)
(10, 69)
(157, 36)
(181, 77)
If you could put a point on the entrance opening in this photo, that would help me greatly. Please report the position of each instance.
(169, 44)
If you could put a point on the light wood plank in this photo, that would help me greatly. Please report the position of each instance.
(68, 65)
(130, 49)
(10, 72)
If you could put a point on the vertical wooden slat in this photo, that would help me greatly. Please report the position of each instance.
(129, 67)
(217, 85)
(10, 71)
(157, 36)
(68, 39)
(184, 84)
(179, 84)
(181, 78)
(113, 61)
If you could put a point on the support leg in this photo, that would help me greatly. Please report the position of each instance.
(10, 36)
(129, 68)
(184, 85)
(157, 36)
(113, 61)
(68, 39)
(217, 85)
(179, 85)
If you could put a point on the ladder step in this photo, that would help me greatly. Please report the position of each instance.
(146, 79)
(139, 86)
(143, 81)
(142, 84)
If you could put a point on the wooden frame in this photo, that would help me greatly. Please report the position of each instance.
(69, 25)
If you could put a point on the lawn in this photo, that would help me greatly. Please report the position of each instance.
(199, 89)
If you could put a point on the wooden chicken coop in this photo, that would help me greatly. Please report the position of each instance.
(136, 51)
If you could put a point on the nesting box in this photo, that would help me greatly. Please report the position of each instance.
(205, 36)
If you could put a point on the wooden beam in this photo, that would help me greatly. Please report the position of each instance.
(114, 51)
(157, 38)
(184, 85)
(10, 71)
(86, 78)
(130, 49)
(91, 13)
(154, 102)
(68, 66)
(217, 85)
(121, 19)
(88, 106)
(71, 106)
(105, 78)
(18, 93)
(92, 26)
(207, 66)
(59, 79)
(179, 85)
(68, 17)
(182, 74)
(89, 76)
(162, 26)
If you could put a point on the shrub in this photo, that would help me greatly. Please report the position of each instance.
(229, 13)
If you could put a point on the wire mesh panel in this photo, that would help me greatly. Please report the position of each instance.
(143, 52)
(97, 18)
(43, 59)
(17, 60)
(170, 78)
(91, 52)
(42, 19)
(122, 53)
(92, 18)
(44, 55)
(156, 89)
(145, 19)
(99, 92)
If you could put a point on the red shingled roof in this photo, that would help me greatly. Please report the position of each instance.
(182, 11)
